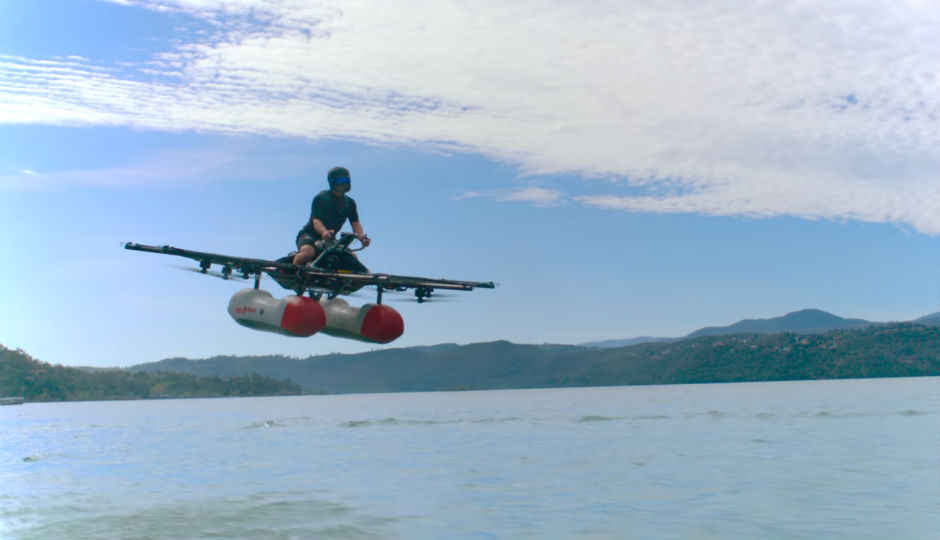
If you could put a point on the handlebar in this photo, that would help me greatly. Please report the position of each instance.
(345, 239)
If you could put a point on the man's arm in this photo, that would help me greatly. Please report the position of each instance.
(318, 209)
(360, 233)
(325, 234)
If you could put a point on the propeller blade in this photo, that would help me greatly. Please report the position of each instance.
(234, 276)
(431, 300)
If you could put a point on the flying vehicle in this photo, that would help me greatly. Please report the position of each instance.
(335, 272)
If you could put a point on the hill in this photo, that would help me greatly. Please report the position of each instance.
(806, 321)
(875, 351)
(498, 364)
(932, 319)
(22, 375)
(617, 343)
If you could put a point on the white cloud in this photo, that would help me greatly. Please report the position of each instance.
(169, 166)
(470, 195)
(828, 110)
(535, 195)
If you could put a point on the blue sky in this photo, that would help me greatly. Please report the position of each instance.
(621, 169)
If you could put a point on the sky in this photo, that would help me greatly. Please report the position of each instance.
(620, 168)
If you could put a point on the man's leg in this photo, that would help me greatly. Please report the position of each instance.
(305, 254)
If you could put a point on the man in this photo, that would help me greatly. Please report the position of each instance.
(329, 211)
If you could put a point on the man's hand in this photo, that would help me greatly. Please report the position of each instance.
(327, 235)
(364, 239)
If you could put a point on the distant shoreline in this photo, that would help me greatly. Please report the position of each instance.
(534, 388)
(877, 351)
(39, 382)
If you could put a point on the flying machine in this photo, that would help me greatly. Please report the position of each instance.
(335, 272)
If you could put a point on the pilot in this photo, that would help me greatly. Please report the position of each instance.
(329, 211)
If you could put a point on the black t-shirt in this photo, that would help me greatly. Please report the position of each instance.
(332, 211)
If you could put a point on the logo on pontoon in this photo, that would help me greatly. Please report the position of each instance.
(245, 309)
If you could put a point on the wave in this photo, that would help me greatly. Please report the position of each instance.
(598, 418)
(269, 516)
(496, 420)
(601, 418)
(366, 423)
(391, 421)
(418, 422)
(830, 414)
(279, 422)
(265, 424)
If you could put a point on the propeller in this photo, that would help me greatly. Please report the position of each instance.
(414, 300)
(432, 297)
(358, 295)
(234, 276)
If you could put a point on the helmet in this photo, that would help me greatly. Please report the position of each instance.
(337, 175)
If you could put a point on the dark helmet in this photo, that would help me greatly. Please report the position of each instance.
(337, 175)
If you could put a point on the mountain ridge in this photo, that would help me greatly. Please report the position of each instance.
(804, 321)
(903, 349)
(808, 321)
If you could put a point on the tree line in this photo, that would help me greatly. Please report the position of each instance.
(899, 350)
(24, 376)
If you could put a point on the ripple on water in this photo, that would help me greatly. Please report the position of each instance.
(369, 422)
(830, 414)
(598, 418)
(250, 517)
(265, 424)
(279, 423)
(496, 420)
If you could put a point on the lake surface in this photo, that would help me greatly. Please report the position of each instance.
(855, 459)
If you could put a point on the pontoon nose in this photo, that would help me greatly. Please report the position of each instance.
(375, 323)
(293, 315)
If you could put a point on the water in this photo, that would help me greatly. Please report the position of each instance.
(855, 459)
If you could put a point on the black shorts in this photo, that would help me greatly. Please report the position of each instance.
(304, 239)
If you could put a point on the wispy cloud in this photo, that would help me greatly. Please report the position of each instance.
(167, 167)
(534, 195)
(827, 110)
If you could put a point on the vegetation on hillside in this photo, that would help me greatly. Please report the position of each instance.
(877, 351)
(22, 375)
